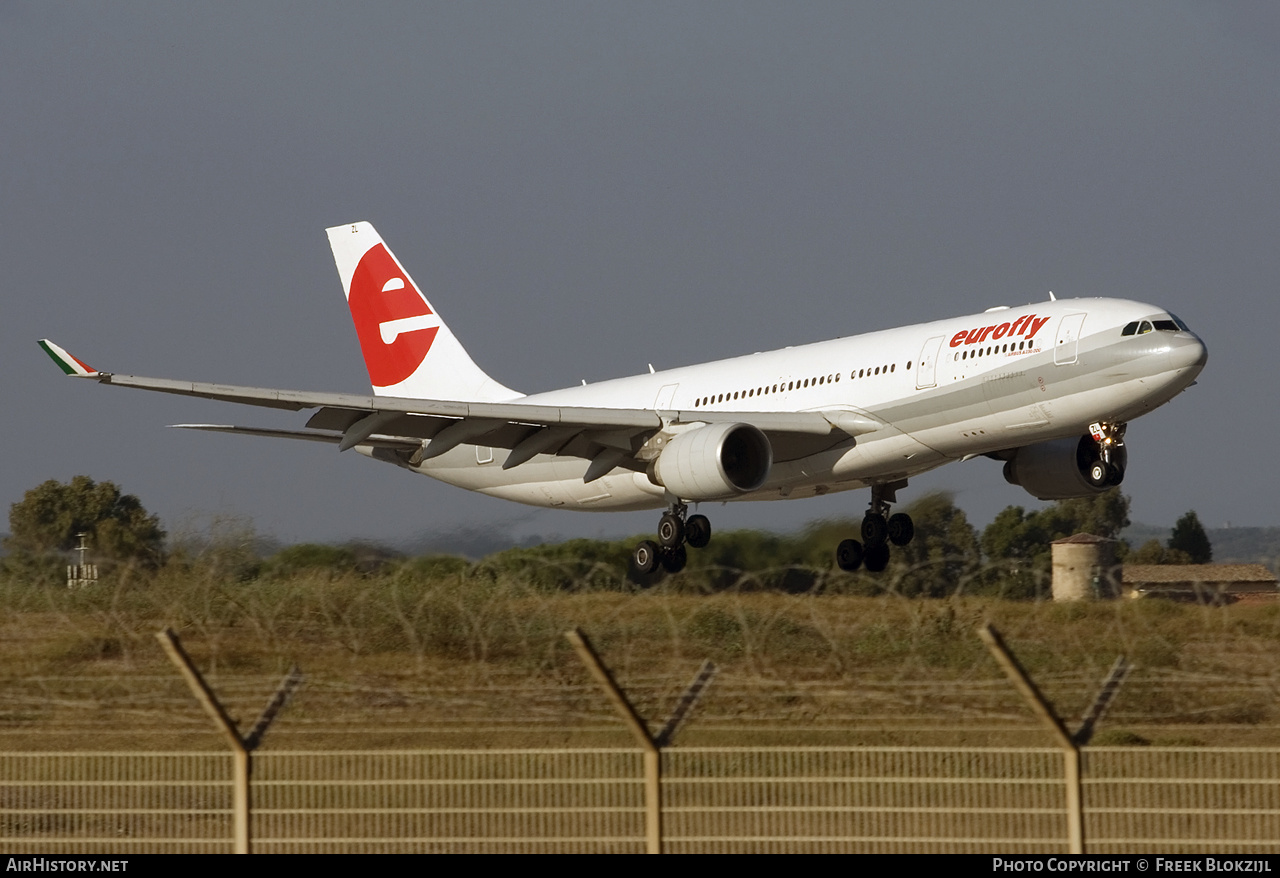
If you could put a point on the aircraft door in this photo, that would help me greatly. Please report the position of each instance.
(927, 369)
(665, 397)
(1067, 346)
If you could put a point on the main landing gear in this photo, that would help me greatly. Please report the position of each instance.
(879, 529)
(675, 531)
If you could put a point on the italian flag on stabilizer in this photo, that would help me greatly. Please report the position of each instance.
(66, 362)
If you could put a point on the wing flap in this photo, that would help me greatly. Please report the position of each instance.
(376, 440)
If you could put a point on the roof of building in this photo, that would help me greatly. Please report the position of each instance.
(1084, 539)
(1202, 573)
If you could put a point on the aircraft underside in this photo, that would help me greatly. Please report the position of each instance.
(882, 461)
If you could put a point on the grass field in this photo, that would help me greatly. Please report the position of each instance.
(454, 656)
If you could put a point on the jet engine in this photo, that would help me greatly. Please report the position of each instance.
(1064, 468)
(714, 462)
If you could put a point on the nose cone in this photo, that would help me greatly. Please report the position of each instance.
(1188, 353)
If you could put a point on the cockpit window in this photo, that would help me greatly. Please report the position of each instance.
(1160, 322)
(1180, 322)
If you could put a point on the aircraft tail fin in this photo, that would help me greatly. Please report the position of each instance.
(407, 348)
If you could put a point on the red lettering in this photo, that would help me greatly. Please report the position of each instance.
(1036, 323)
(1028, 325)
(380, 293)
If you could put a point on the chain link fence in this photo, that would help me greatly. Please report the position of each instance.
(761, 799)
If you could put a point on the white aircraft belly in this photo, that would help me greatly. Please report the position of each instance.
(546, 480)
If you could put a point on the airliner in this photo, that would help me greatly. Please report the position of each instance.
(1046, 388)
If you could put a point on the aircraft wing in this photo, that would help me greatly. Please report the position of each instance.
(526, 429)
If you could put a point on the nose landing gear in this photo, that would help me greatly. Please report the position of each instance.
(879, 529)
(675, 531)
(1110, 455)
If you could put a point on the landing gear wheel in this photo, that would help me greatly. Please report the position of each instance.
(876, 558)
(1117, 475)
(901, 529)
(697, 531)
(673, 560)
(1099, 474)
(670, 530)
(645, 557)
(874, 530)
(849, 555)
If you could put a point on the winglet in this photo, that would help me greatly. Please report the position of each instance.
(66, 362)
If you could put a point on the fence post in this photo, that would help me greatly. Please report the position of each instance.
(1041, 707)
(652, 755)
(241, 747)
(651, 745)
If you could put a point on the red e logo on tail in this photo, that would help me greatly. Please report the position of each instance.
(393, 322)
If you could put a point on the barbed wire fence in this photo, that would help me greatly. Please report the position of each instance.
(689, 798)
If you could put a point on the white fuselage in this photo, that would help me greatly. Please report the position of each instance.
(944, 390)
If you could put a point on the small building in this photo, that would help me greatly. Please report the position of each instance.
(1084, 568)
(1203, 582)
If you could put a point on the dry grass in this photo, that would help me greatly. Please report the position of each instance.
(471, 657)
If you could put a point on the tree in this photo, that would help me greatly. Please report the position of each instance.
(50, 516)
(1189, 536)
(943, 553)
(1103, 515)
(1152, 552)
(1017, 543)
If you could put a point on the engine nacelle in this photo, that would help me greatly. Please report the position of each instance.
(1064, 468)
(714, 462)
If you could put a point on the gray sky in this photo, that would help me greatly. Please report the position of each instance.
(584, 188)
